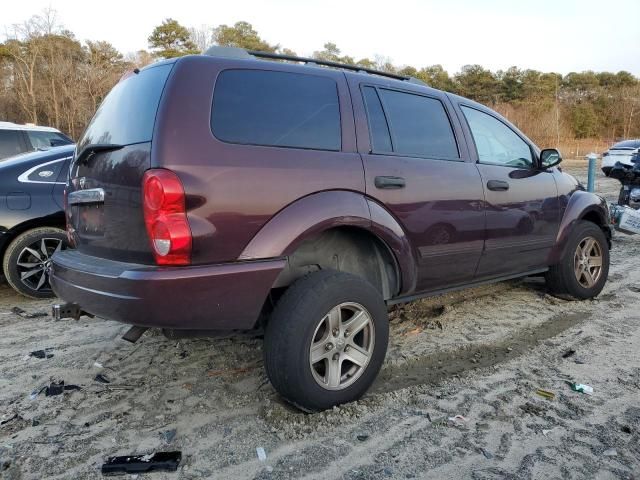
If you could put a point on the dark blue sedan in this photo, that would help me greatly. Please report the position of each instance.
(32, 218)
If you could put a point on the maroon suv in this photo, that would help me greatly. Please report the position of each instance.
(301, 198)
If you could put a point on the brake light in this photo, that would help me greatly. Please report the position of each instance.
(165, 217)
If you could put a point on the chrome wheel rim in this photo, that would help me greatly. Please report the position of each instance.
(587, 262)
(341, 346)
(34, 263)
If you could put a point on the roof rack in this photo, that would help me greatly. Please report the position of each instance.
(235, 52)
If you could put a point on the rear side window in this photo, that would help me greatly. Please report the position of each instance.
(127, 115)
(378, 128)
(279, 109)
(10, 143)
(46, 140)
(419, 125)
(46, 173)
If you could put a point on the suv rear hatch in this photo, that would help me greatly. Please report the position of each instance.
(104, 194)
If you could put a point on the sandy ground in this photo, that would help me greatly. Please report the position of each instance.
(480, 353)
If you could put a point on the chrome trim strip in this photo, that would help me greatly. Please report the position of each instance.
(92, 195)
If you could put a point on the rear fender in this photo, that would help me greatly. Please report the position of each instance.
(322, 211)
(581, 204)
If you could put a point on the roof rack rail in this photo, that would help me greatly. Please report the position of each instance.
(241, 53)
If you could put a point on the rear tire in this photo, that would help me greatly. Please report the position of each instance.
(583, 270)
(27, 261)
(311, 357)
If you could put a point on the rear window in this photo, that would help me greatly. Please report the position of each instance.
(44, 140)
(630, 144)
(127, 115)
(278, 109)
(419, 125)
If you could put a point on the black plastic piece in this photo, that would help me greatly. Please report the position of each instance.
(134, 333)
(167, 461)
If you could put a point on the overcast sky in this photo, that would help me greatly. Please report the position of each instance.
(547, 35)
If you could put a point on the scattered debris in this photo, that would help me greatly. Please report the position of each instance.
(546, 394)
(169, 435)
(55, 389)
(610, 452)
(363, 437)
(458, 420)
(625, 429)
(262, 455)
(24, 314)
(167, 461)
(532, 409)
(578, 361)
(11, 418)
(35, 422)
(488, 455)
(579, 387)
(546, 432)
(102, 378)
(568, 353)
(97, 365)
(41, 353)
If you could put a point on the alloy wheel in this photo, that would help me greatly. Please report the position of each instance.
(34, 263)
(587, 262)
(342, 346)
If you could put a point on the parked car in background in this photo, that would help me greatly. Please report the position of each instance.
(622, 152)
(16, 139)
(302, 201)
(32, 218)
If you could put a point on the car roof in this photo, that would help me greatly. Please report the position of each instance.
(627, 144)
(16, 126)
(53, 153)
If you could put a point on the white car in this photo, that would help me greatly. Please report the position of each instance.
(16, 139)
(621, 152)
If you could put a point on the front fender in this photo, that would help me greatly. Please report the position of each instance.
(581, 204)
(318, 212)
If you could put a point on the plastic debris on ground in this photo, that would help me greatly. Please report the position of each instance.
(54, 389)
(568, 353)
(362, 437)
(167, 461)
(24, 314)
(546, 394)
(610, 452)
(458, 420)
(262, 455)
(169, 435)
(41, 353)
(579, 387)
(488, 455)
(100, 378)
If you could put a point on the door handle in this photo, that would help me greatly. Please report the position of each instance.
(498, 185)
(389, 182)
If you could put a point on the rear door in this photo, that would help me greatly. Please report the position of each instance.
(416, 168)
(522, 210)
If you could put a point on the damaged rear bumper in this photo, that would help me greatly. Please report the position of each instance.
(221, 297)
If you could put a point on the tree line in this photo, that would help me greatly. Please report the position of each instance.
(48, 76)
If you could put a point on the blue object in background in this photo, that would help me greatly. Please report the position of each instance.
(591, 179)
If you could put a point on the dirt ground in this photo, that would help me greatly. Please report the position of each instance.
(479, 353)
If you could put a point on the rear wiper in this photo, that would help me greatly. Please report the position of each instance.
(87, 152)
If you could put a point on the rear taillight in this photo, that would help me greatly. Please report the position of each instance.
(165, 217)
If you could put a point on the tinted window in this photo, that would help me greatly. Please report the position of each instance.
(378, 128)
(627, 144)
(497, 143)
(276, 109)
(419, 125)
(46, 173)
(46, 140)
(10, 143)
(128, 113)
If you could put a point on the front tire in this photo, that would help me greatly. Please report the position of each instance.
(326, 340)
(583, 270)
(27, 261)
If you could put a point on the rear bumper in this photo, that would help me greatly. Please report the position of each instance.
(211, 297)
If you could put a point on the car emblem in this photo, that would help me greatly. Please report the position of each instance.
(45, 173)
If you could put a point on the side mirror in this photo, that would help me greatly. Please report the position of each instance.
(550, 157)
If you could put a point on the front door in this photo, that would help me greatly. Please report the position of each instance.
(522, 211)
(415, 169)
